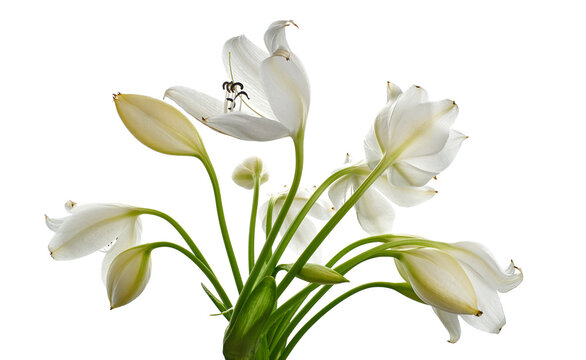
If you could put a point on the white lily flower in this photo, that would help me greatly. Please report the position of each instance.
(266, 96)
(321, 210)
(250, 169)
(92, 227)
(416, 133)
(374, 209)
(128, 275)
(480, 271)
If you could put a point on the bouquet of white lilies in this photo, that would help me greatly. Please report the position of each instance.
(266, 96)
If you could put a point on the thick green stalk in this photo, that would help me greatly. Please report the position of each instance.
(221, 219)
(329, 226)
(400, 287)
(252, 227)
(205, 269)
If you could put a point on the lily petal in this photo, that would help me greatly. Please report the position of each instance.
(422, 129)
(402, 173)
(242, 61)
(374, 211)
(276, 39)
(451, 323)
(372, 148)
(493, 315)
(197, 104)
(128, 238)
(287, 89)
(89, 229)
(440, 161)
(481, 261)
(406, 195)
(53, 223)
(338, 192)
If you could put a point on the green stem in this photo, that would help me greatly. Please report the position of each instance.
(299, 218)
(252, 228)
(267, 247)
(181, 232)
(329, 226)
(200, 264)
(400, 287)
(221, 219)
(342, 269)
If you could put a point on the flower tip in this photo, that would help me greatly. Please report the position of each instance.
(478, 313)
(115, 96)
(293, 23)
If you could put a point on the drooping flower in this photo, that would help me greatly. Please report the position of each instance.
(374, 209)
(455, 279)
(266, 96)
(321, 210)
(416, 134)
(93, 227)
(248, 171)
(128, 275)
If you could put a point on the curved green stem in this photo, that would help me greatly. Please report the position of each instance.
(221, 219)
(399, 287)
(252, 228)
(181, 232)
(342, 269)
(299, 218)
(205, 269)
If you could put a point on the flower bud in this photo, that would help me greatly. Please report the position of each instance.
(128, 275)
(317, 274)
(246, 173)
(159, 125)
(438, 279)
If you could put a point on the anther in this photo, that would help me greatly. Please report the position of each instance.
(236, 84)
(242, 93)
(226, 85)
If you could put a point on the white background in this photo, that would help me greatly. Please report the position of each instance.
(515, 69)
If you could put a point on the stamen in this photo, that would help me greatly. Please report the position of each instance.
(242, 93)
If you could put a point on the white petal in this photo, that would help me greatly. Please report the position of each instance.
(275, 36)
(128, 275)
(53, 223)
(440, 161)
(158, 125)
(479, 259)
(374, 211)
(323, 209)
(242, 61)
(422, 129)
(339, 191)
(493, 317)
(405, 195)
(287, 89)
(247, 127)
(128, 238)
(450, 322)
(393, 92)
(372, 149)
(89, 229)
(402, 173)
(439, 280)
(195, 103)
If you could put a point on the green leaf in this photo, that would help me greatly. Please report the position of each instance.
(317, 274)
(246, 330)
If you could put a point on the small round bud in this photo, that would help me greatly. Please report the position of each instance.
(248, 171)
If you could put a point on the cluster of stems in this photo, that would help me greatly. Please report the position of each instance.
(284, 319)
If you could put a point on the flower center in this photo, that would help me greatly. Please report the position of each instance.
(233, 97)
